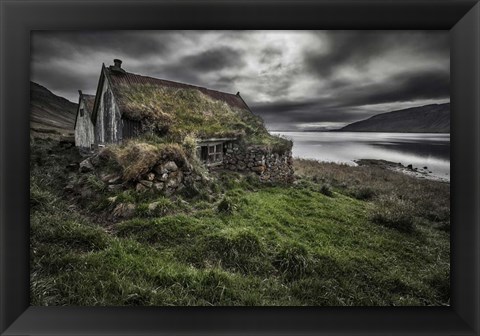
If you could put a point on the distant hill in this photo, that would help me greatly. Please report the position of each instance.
(433, 118)
(50, 113)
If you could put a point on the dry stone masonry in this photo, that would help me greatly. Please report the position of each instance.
(269, 165)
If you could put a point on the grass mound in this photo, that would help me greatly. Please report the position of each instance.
(137, 158)
(235, 250)
(293, 261)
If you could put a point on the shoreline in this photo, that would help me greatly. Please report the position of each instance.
(420, 173)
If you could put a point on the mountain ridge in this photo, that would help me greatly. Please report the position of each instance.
(432, 118)
(49, 112)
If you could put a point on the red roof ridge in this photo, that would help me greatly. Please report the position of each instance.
(175, 82)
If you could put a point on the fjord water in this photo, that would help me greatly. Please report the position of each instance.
(430, 150)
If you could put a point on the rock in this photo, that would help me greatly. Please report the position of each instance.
(114, 179)
(111, 178)
(241, 166)
(112, 199)
(160, 170)
(101, 157)
(86, 166)
(179, 176)
(150, 177)
(115, 187)
(140, 187)
(69, 188)
(95, 160)
(258, 169)
(171, 183)
(124, 210)
(170, 166)
(158, 186)
(153, 206)
(164, 177)
(410, 166)
(425, 167)
(146, 183)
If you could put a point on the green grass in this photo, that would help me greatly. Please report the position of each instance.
(312, 243)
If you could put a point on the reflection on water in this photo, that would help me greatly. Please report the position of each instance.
(419, 149)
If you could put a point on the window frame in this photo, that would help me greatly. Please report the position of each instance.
(214, 153)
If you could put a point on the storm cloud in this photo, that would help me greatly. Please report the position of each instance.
(293, 79)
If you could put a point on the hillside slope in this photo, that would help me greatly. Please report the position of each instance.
(49, 112)
(433, 118)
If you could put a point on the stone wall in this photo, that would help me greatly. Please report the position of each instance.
(269, 165)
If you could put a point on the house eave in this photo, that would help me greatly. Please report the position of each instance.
(209, 140)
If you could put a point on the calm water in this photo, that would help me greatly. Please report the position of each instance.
(418, 149)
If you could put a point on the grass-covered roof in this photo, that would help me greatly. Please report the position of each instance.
(180, 109)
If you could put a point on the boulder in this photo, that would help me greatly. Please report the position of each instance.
(86, 166)
(170, 166)
(150, 176)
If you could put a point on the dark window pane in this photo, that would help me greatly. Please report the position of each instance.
(204, 156)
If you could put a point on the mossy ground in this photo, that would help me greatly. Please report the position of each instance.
(323, 241)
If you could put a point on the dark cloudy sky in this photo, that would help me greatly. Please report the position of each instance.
(293, 79)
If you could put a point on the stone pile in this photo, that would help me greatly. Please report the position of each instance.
(165, 177)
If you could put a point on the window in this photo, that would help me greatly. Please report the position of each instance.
(211, 153)
(81, 112)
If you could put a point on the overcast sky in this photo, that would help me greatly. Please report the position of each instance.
(293, 79)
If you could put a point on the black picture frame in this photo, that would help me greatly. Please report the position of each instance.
(18, 18)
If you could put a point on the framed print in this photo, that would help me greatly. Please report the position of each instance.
(240, 167)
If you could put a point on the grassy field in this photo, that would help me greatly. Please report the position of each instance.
(339, 236)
